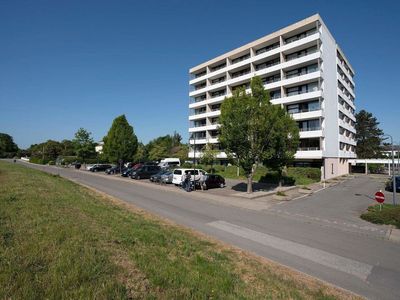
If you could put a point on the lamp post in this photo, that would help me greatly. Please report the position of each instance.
(393, 172)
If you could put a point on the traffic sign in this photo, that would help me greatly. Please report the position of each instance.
(379, 197)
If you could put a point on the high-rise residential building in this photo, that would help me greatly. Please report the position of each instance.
(305, 71)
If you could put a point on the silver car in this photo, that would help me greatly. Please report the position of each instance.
(167, 177)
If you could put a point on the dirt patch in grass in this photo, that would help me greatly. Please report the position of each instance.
(61, 240)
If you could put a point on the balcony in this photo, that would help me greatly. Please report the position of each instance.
(300, 36)
(311, 133)
(308, 154)
(307, 114)
(239, 59)
(267, 48)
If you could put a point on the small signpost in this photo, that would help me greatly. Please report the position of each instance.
(380, 198)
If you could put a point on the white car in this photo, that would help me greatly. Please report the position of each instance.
(178, 173)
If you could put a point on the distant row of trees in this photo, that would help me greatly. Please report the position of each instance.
(120, 144)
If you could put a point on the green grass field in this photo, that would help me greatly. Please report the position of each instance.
(60, 240)
(295, 175)
(389, 215)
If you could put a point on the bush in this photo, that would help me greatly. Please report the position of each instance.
(313, 174)
(36, 160)
(51, 162)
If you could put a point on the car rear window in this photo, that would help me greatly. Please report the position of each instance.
(178, 172)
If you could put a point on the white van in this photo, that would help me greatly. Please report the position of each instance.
(169, 162)
(177, 175)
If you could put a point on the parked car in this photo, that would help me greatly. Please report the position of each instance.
(389, 184)
(145, 172)
(177, 177)
(167, 177)
(115, 170)
(169, 162)
(157, 177)
(127, 172)
(100, 167)
(213, 181)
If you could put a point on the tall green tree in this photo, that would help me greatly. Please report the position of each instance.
(8, 148)
(121, 142)
(285, 143)
(84, 144)
(368, 135)
(68, 148)
(141, 154)
(249, 128)
(209, 155)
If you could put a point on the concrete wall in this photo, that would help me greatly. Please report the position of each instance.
(331, 126)
(336, 167)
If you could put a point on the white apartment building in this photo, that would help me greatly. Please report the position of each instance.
(305, 72)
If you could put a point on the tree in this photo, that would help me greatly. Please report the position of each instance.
(141, 153)
(121, 142)
(368, 135)
(285, 143)
(68, 148)
(8, 148)
(250, 129)
(84, 145)
(209, 155)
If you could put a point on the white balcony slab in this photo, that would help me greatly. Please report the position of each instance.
(307, 115)
(308, 39)
(314, 154)
(301, 79)
(297, 98)
(311, 134)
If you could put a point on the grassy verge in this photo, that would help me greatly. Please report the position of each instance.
(60, 240)
(295, 175)
(390, 215)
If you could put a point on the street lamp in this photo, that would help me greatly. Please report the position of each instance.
(393, 172)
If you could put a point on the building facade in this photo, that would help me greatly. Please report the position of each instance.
(305, 72)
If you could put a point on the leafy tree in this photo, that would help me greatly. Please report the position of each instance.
(68, 148)
(164, 146)
(45, 152)
(141, 153)
(84, 144)
(250, 128)
(7, 146)
(368, 135)
(285, 143)
(209, 155)
(121, 141)
(158, 151)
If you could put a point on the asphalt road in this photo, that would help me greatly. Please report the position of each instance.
(320, 235)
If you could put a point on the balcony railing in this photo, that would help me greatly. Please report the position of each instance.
(300, 36)
(313, 128)
(300, 92)
(240, 73)
(268, 48)
(219, 67)
(303, 110)
(301, 73)
(239, 59)
(267, 65)
(308, 148)
(292, 57)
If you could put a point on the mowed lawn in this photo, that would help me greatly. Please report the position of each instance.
(61, 240)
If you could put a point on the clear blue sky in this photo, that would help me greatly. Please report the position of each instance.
(71, 64)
